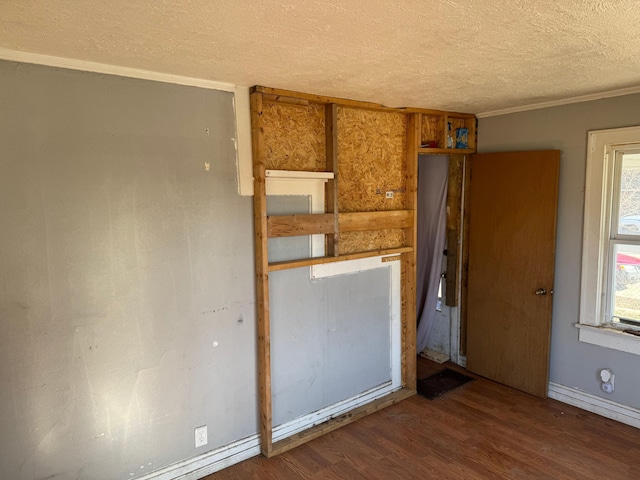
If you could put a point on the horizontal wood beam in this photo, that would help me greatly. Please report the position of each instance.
(276, 95)
(269, 98)
(307, 262)
(343, 102)
(323, 223)
(294, 225)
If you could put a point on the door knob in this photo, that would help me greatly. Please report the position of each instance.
(541, 291)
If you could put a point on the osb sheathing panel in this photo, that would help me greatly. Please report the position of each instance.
(371, 159)
(294, 137)
(353, 242)
(371, 162)
(433, 130)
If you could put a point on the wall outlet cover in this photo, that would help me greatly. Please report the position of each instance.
(201, 436)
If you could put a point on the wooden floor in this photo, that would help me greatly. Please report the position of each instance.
(481, 430)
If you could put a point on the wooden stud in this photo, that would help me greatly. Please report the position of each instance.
(293, 225)
(262, 275)
(472, 125)
(331, 187)
(267, 98)
(454, 207)
(464, 280)
(409, 259)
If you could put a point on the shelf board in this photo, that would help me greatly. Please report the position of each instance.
(307, 262)
(446, 150)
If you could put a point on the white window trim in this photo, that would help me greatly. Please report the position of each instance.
(597, 207)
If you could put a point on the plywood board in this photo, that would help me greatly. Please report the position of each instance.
(294, 136)
(371, 160)
(351, 242)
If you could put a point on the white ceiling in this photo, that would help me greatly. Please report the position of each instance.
(464, 55)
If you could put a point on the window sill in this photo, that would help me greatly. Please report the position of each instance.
(609, 337)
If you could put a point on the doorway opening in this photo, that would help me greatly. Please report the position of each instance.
(440, 187)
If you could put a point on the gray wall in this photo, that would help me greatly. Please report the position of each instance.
(573, 363)
(122, 261)
(127, 298)
(330, 338)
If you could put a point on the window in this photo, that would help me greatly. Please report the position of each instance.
(610, 287)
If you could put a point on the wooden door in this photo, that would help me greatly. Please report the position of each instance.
(512, 230)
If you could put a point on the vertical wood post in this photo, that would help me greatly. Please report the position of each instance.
(465, 256)
(331, 187)
(262, 274)
(454, 207)
(409, 258)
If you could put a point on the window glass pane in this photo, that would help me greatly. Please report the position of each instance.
(626, 298)
(629, 199)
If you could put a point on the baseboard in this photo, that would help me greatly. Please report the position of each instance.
(210, 462)
(304, 422)
(595, 404)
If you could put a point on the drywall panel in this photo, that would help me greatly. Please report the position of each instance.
(330, 338)
(127, 313)
(573, 363)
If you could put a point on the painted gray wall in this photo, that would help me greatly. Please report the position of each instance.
(122, 260)
(127, 298)
(330, 338)
(573, 363)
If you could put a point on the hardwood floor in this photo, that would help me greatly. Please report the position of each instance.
(481, 430)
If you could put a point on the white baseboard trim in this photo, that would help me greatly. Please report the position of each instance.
(595, 404)
(324, 414)
(198, 467)
(462, 361)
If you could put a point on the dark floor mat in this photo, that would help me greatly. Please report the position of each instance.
(440, 383)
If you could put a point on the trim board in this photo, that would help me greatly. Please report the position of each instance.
(594, 404)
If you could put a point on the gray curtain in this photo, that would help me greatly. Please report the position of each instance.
(433, 172)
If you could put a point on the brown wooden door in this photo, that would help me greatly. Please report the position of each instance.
(512, 230)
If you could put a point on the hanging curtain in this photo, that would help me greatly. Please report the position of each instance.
(433, 173)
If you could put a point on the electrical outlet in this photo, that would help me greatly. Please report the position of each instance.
(201, 436)
(389, 194)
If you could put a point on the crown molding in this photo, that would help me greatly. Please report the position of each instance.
(566, 101)
(72, 64)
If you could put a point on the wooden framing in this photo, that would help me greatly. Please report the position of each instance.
(454, 217)
(262, 275)
(331, 224)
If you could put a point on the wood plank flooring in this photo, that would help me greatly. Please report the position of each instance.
(481, 430)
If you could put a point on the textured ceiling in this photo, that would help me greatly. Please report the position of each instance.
(465, 55)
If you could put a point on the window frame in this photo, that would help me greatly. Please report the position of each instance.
(597, 275)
